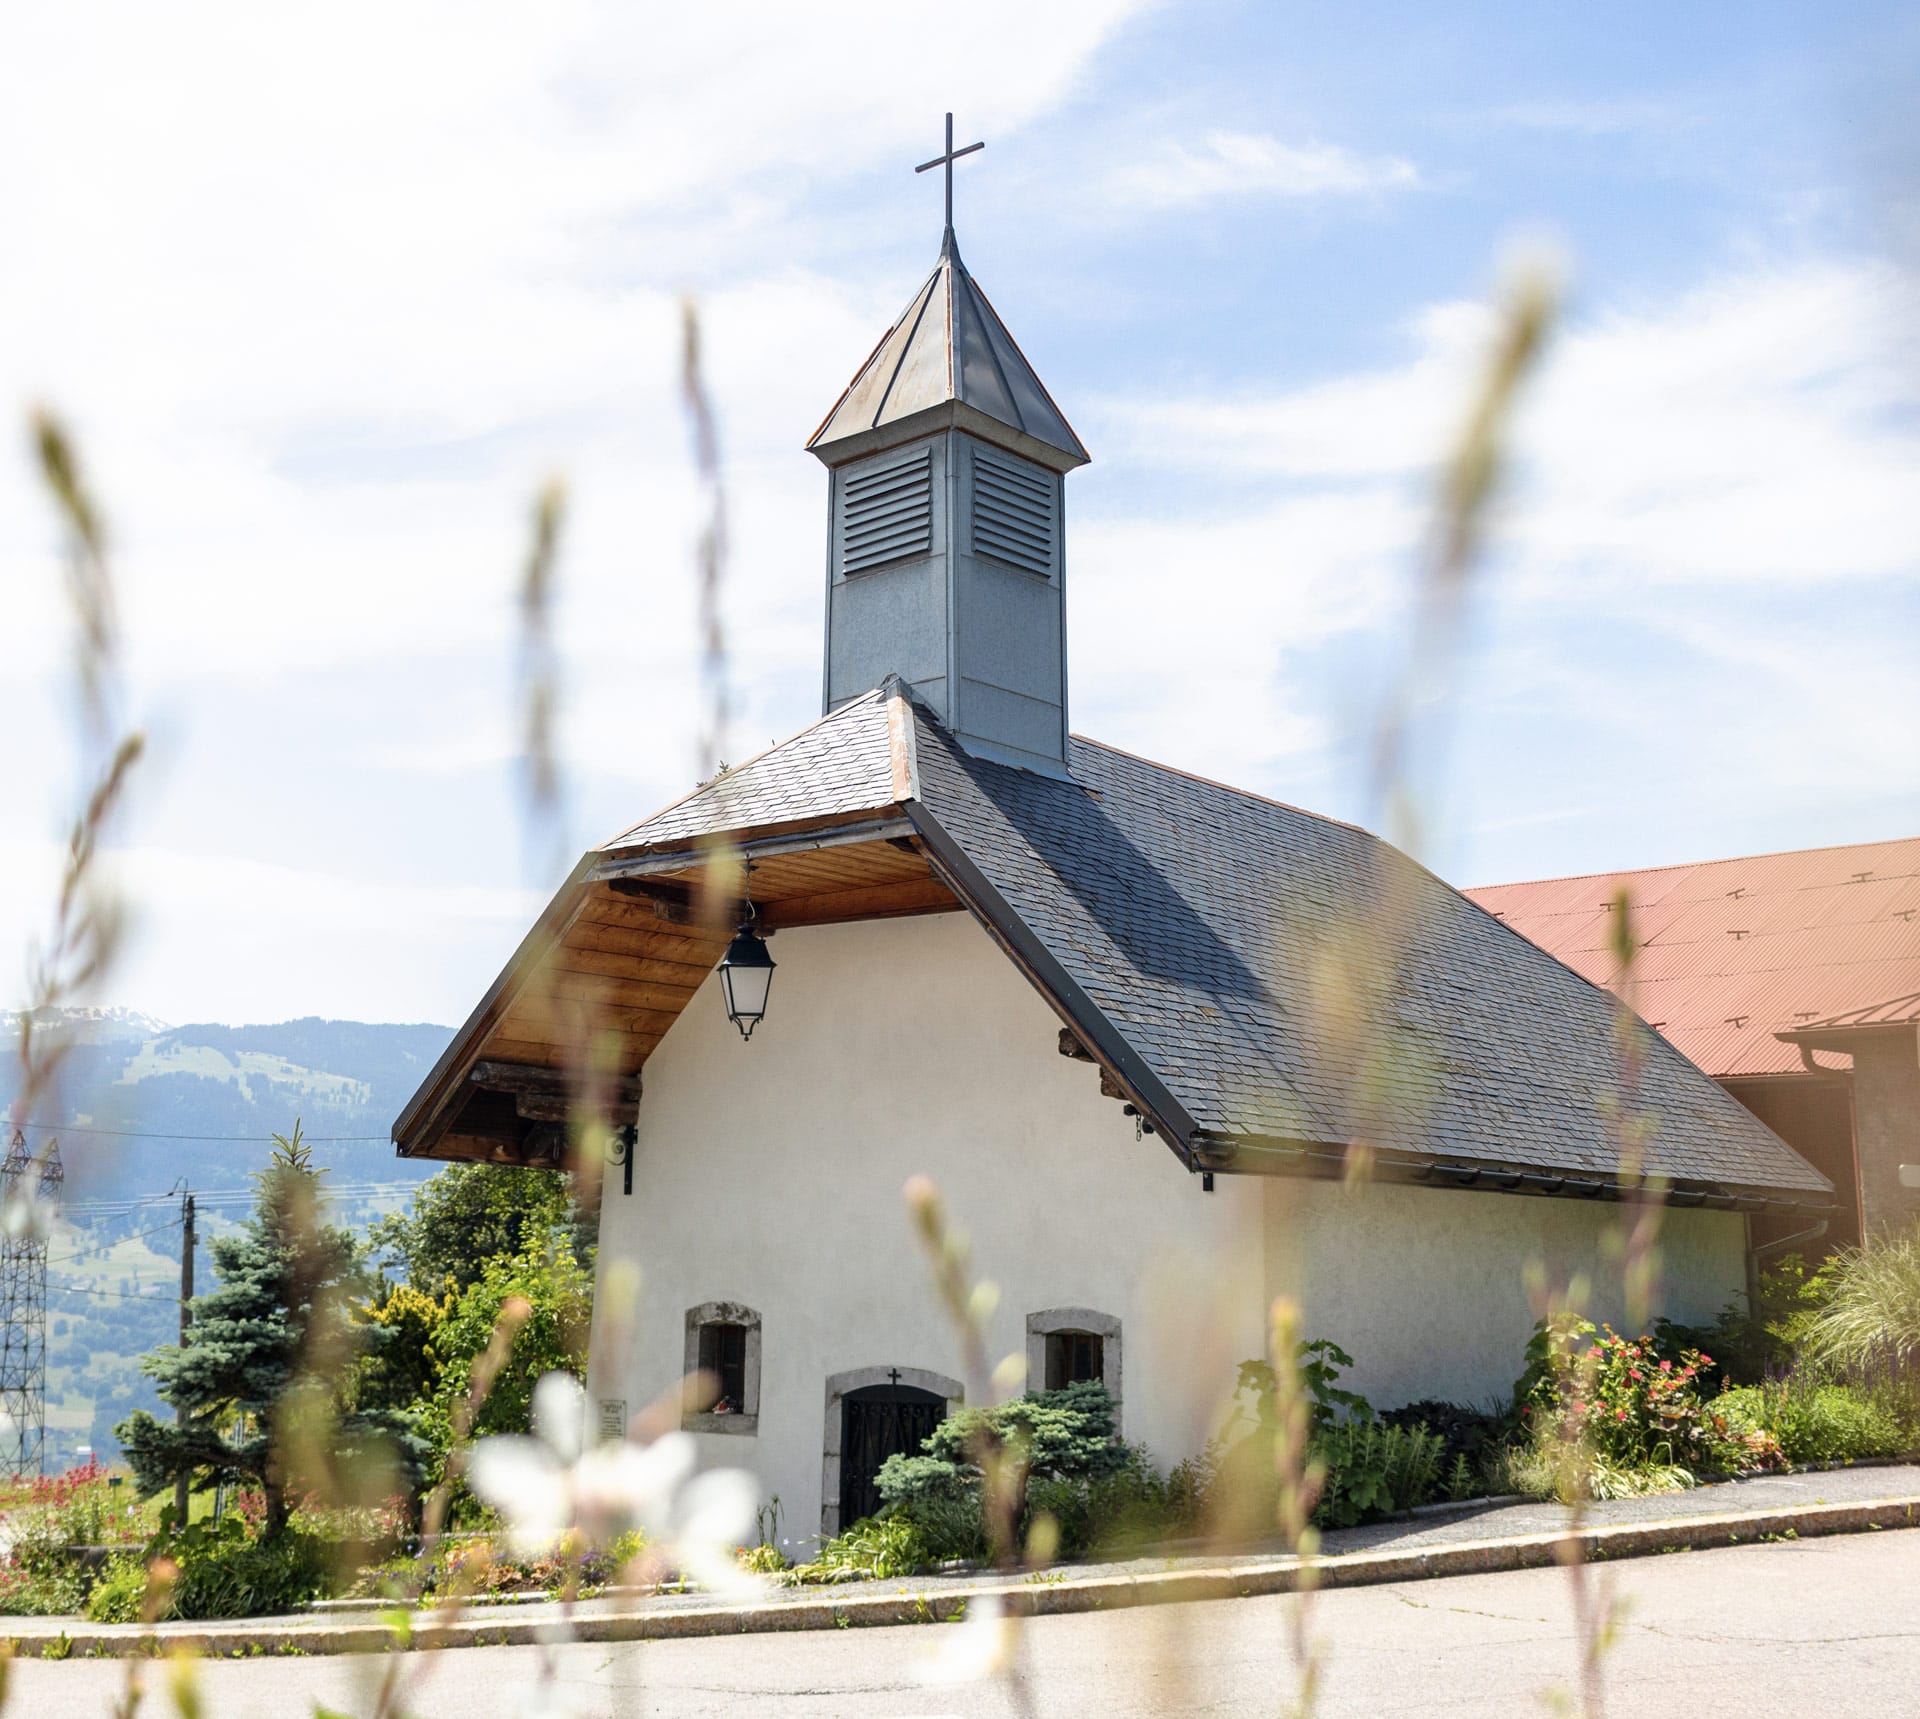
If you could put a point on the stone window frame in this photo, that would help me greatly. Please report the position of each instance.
(1055, 1320)
(746, 1422)
(858, 1379)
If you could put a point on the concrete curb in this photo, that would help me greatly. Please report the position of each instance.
(811, 1609)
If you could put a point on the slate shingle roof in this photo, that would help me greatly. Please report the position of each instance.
(1214, 927)
(1217, 934)
(842, 763)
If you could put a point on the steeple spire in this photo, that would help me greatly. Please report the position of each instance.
(948, 360)
(946, 560)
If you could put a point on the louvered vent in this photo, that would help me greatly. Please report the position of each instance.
(887, 515)
(1013, 513)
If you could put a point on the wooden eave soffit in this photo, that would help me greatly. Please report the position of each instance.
(549, 1095)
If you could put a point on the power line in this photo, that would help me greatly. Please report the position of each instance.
(101, 1247)
(112, 1294)
(346, 1190)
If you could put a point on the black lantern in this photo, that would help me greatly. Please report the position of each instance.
(746, 973)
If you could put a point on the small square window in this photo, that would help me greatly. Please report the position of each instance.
(723, 1353)
(1074, 1357)
(723, 1343)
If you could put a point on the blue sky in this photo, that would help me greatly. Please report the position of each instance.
(327, 297)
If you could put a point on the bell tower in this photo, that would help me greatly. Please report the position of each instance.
(946, 542)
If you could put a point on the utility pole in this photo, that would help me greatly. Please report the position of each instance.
(186, 1319)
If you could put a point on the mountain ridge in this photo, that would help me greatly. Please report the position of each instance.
(141, 1106)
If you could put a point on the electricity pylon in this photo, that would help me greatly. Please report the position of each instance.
(27, 1201)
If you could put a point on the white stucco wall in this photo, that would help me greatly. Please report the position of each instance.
(1427, 1288)
(770, 1174)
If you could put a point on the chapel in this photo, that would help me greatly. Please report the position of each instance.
(1141, 1028)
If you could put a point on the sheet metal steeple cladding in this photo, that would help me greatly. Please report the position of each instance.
(946, 560)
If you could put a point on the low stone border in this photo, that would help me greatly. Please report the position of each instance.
(808, 1609)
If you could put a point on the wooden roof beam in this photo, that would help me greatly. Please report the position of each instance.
(548, 1094)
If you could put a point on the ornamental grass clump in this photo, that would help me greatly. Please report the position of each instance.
(1870, 1327)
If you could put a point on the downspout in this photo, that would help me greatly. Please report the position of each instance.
(1810, 1060)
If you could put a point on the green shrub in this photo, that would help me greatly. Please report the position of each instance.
(47, 1518)
(1065, 1444)
(950, 1525)
(1541, 1467)
(489, 1564)
(1066, 1433)
(559, 1292)
(1320, 1364)
(762, 1560)
(45, 1592)
(876, 1546)
(910, 1480)
(120, 1590)
(1756, 1337)
(1374, 1470)
(1467, 1436)
(1115, 1512)
(1815, 1423)
(226, 1573)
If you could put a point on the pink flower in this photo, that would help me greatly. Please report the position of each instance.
(1619, 1414)
(1666, 1366)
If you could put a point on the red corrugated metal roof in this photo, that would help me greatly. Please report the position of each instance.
(1895, 1012)
(1732, 951)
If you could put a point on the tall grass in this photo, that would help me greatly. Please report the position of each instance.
(1871, 1325)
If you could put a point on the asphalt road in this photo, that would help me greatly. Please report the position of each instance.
(1828, 1627)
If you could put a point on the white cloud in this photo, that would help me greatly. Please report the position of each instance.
(326, 295)
(1681, 471)
(1759, 428)
(273, 260)
(1247, 164)
(1183, 626)
(232, 938)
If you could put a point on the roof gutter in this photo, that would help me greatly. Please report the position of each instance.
(1307, 1158)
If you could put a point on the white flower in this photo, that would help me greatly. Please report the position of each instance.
(546, 1484)
(980, 1645)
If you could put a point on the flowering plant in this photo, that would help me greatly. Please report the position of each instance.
(1632, 1408)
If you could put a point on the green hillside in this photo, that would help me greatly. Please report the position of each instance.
(145, 1109)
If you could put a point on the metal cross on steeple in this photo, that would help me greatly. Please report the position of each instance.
(952, 155)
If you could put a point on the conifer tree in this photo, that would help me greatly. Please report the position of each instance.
(264, 1349)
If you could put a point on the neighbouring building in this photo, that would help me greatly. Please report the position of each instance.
(1129, 1020)
(1793, 979)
